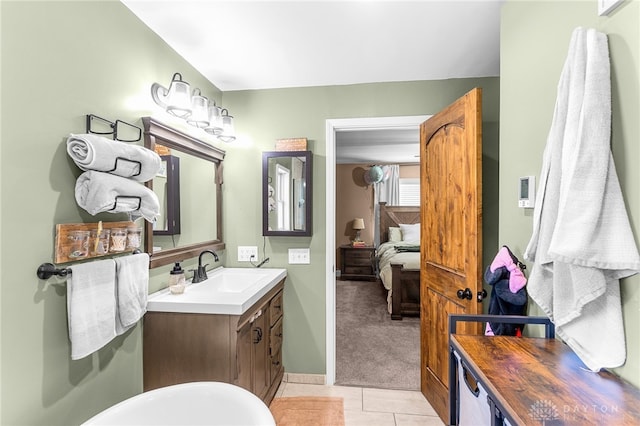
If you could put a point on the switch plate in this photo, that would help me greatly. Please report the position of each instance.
(299, 256)
(245, 253)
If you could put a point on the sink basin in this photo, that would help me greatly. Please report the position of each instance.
(197, 403)
(237, 280)
(227, 291)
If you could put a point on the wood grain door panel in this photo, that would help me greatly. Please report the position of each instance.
(451, 235)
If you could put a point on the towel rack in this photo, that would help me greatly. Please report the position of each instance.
(114, 128)
(47, 270)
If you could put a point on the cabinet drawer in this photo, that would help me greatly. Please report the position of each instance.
(276, 364)
(358, 262)
(275, 308)
(276, 337)
(357, 270)
(358, 255)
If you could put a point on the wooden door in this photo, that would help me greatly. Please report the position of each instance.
(451, 235)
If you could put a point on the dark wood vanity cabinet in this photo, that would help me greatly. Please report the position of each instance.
(245, 350)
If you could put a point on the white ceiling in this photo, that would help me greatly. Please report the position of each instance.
(240, 45)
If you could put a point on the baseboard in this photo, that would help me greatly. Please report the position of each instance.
(309, 379)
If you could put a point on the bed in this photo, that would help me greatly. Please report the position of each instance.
(398, 260)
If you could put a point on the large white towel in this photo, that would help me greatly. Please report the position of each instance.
(103, 192)
(582, 243)
(94, 152)
(132, 289)
(91, 307)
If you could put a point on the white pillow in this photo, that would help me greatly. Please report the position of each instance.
(395, 234)
(410, 233)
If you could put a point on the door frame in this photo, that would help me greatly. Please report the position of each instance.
(333, 126)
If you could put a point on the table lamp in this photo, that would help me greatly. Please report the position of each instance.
(358, 225)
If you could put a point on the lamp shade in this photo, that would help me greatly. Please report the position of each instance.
(358, 223)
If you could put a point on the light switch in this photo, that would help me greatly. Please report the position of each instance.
(299, 256)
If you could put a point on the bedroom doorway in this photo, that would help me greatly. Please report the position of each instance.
(334, 126)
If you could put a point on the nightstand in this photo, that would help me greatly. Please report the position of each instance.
(357, 263)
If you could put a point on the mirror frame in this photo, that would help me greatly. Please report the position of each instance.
(308, 155)
(156, 132)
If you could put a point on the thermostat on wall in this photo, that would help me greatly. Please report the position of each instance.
(527, 192)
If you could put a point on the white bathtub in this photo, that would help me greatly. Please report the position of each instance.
(197, 403)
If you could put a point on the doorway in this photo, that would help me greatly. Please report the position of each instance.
(334, 126)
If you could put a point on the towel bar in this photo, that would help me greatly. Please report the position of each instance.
(47, 270)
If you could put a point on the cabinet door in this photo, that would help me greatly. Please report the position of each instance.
(243, 356)
(261, 372)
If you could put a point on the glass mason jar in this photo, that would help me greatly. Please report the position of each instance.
(79, 246)
(118, 239)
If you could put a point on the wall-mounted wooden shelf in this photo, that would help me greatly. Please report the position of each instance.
(63, 245)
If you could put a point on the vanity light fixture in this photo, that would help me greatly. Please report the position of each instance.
(215, 120)
(228, 132)
(197, 110)
(177, 99)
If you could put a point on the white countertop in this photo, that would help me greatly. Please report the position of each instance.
(230, 291)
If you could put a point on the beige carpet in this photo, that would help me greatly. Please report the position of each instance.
(372, 350)
(308, 410)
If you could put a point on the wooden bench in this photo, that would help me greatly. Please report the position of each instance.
(534, 381)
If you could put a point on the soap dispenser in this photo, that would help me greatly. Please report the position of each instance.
(176, 279)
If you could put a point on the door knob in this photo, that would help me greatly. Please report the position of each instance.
(481, 295)
(465, 294)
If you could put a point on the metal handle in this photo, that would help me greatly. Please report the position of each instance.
(258, 337)
(465, 294)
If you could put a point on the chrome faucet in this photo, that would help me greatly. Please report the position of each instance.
(200, 274)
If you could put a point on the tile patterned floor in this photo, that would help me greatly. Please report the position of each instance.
(372, 407)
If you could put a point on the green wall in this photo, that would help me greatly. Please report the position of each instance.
(262, 116)
(60, 61)
(534, 42)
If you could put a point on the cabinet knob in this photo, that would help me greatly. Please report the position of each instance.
(276, 362)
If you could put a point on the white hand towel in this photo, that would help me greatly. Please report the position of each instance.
(91, 306)
(102, 192)
(132, 289)
(94, 152)
(582, 243)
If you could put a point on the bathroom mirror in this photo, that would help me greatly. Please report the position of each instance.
(166, 185)
(199, 192)
(286, 193)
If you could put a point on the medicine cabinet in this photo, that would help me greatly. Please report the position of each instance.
(286, 193)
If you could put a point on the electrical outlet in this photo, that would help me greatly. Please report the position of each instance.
(299, 256)
(247, 253)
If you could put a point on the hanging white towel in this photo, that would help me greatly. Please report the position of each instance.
(102, 192)
(132, 289)
(94, 152)
(91, 307)
(582, 243)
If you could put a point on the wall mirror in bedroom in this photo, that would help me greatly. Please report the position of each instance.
(286, 193)
(190, 192)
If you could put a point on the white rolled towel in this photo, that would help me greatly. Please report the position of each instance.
(103, 192)
(94, 152)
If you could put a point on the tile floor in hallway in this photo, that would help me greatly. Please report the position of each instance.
(371, 407)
